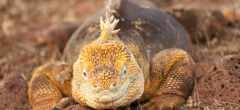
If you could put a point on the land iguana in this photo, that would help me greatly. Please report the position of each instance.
(104, 68)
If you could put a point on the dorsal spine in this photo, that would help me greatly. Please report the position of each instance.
(107, 27)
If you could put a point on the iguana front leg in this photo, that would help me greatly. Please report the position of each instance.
(171, 79)
(49, 84)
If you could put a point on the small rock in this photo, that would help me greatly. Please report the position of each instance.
(7, 26)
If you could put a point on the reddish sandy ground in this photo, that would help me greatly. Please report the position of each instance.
(217, 77)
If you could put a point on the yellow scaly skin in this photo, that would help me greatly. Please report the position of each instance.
(109, 73)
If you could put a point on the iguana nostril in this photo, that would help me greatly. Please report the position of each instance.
(113, 85)
(96, 87)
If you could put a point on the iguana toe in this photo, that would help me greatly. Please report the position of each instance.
(179, 107)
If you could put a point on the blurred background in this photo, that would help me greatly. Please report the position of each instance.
(31, 32)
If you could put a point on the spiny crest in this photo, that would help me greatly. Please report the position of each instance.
(107, 27)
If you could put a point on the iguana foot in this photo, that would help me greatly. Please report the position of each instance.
(49, 84)
(164, 102)
(171, 80)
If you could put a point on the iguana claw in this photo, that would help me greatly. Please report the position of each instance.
(56, 107)
(63, 103)
(180, 107)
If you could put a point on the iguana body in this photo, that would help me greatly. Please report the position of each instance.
(108, 72)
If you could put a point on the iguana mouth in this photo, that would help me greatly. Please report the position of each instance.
(116, 99)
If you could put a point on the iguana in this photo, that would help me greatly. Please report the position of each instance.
(104, 68)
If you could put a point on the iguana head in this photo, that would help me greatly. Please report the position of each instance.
(106, 74)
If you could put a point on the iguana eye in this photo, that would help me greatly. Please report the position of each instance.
(124, 72)
(84, 73)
